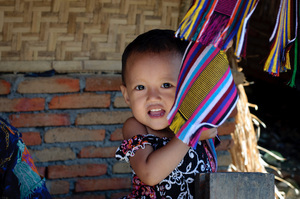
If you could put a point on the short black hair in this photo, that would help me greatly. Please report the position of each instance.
(153, 41)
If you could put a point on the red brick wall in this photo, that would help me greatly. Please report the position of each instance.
(72, 127)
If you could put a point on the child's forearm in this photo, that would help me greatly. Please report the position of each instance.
(156, 166)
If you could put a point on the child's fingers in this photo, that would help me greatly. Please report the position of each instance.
(208, 133)
(229, 45)
(214, 132)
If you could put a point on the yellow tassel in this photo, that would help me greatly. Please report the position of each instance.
(177, 122)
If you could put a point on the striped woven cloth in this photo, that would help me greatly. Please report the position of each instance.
(206, 93)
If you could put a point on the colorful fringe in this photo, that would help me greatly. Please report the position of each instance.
(217, 22)
(281, 39)
(206, 93)
(19, 177)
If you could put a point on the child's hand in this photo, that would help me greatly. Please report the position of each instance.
(208, 134)
(229, 45)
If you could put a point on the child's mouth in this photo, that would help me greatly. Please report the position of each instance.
(156, 112)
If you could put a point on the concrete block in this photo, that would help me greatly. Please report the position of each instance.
(234, 186)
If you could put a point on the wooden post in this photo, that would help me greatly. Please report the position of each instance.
(234, 186)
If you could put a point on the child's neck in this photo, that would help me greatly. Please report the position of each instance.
(161, 133)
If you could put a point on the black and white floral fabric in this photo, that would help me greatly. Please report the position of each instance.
(180, 182)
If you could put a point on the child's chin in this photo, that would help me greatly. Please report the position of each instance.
(159, 127)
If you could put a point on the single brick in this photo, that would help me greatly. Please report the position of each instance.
(85, 100)
(121, 167)
(91, 118)
(58, 187)
(42, 171)
(103, 83)
(52, 154)
(102, 184)
(73, 135)
(119, 195)
(64, 171)
(22, 104)
(39, 119)
(68, 66)
(227, 127)
(117, 135)
(10, 65)
(4, 87)
(120, 102)
(49, 85)
(102, 65)
(32, 138)
(97, 152)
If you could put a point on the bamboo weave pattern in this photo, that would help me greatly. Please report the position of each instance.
(78, 29)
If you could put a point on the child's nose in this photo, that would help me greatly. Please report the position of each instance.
(153, 94)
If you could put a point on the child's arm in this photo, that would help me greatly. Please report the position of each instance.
(154, 166)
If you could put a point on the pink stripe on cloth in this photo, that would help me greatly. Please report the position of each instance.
(208, 18)
(222, 112)
(190, 83)
(205, 101)
(208, 97)
(190, 54)
(225, 6)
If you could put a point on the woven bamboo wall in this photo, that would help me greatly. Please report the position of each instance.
(65, 30)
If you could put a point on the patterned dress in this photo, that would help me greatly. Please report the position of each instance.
(19, 178)
(180, 183)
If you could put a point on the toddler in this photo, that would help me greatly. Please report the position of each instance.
(163, 166)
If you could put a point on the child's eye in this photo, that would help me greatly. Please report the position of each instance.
(140, 87)
(166, 85)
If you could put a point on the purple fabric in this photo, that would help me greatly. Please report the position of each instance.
(225, 7)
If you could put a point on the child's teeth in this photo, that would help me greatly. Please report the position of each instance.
(156, 112)
(156, 109)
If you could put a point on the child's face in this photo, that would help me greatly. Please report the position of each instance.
(151, 80)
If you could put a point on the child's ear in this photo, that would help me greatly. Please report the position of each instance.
(125, 94)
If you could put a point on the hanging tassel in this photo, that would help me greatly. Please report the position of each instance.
(215, 25)
(292, 82)
(240, 48)
(278, 59)
(217, 22)
(194, 20)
